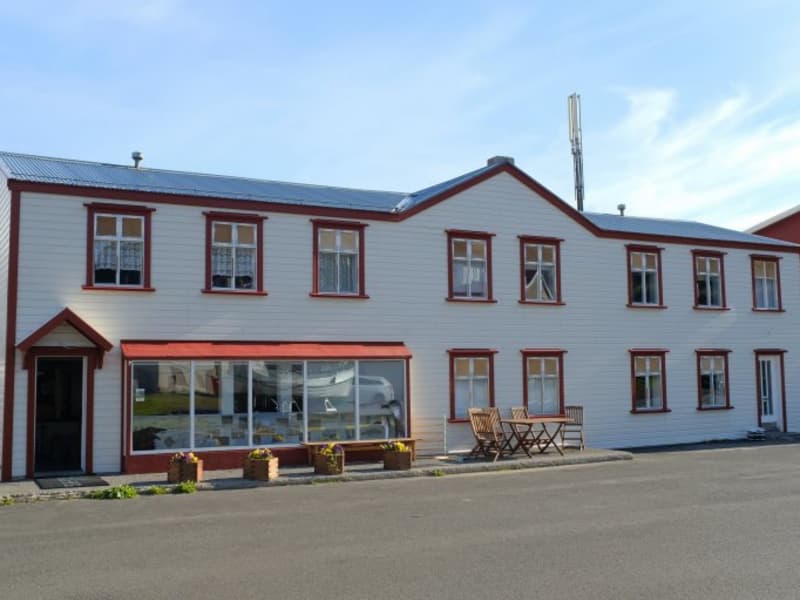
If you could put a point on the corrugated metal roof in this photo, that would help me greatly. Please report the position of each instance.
(676, 228)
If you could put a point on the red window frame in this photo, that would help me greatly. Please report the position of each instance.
(346, 226)
(469, 235)
(235, 218)
(709, 254)
(118, 210)
(630, 249)
(766, 258)
(545, 353)
(455, 353)
(646, 352)
(546, 241)
(713, 352)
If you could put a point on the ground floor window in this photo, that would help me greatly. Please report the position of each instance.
(188, 405)
(649, 386)
(712, 379)
(544, 384)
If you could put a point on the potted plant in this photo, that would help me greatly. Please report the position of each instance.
(329, 460)
(396, 456)
(261, 465)
(184, 466)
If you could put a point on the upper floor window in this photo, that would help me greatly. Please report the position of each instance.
(766, 283)
(470, 266)
(471, 381)
(118, 248)
(544, 383)
(644, 277)
(541, 270)
(649, 384)
(338, 259)
(712, 379)
(234, 250)
(709, 279)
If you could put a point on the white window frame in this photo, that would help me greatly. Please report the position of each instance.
(642, 272)
(234, 244)
(539, 264)
(471, 379)
(118, 238)
(540, 381)
(647, 374)
(338, 251)
(713, 376)
(470, 263)
(764, 300)
(708, 275)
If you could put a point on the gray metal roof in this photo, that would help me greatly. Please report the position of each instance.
(676, 228)
(39, 169)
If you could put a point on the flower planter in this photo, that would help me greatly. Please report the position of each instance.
(260, 470)
(183, 471)
(396, 461)
(325, 464)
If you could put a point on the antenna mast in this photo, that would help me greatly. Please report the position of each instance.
(574, 112)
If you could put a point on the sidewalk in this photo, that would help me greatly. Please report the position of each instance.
(231, 479)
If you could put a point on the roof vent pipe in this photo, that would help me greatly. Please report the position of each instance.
(500, 160)
(137, 158)
(621, 209)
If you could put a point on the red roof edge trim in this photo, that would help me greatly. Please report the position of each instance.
(185, 350)
(66, 316)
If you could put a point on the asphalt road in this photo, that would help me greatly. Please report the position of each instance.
(709, 524)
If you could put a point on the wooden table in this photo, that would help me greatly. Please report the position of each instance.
(526, 437)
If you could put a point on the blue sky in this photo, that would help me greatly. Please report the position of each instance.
(690, 109)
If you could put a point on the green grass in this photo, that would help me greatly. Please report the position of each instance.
(117, 492)
(166, 403)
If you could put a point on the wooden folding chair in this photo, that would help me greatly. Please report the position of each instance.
(573, 430)
(528, 437)
(490, 441)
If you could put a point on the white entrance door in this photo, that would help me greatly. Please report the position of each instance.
(769, 387)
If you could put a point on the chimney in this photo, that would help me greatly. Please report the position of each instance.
(137, 158)
(621, 209)
(500, 160)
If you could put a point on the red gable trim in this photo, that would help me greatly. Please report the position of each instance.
(66, 316)
(163, 350)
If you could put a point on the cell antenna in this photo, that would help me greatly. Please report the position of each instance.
(574, 112)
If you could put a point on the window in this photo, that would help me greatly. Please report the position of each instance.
(712, 380)
(469, 255)
(709, 279)
(649, 386)
(766, 283)
(471, 381)
(234, 250)
(540, 260)
(644, 277)
(118, 247)
(544, 383)
(338, 259)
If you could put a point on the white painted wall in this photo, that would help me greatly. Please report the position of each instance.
(406, 279)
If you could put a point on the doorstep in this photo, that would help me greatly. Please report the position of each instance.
(230, 479)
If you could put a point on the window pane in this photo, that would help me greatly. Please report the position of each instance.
(477, 274)
(331, 400)
(702, 291)
(462, 367)
(638, 288)
(651, 283)
(221, 266)
(349, 240)
(382, 404)
(277, 403)
(462, 398)
(548, 254)
(535, 399)
(650, 261)
(641, 392)
(551, 366)
(246, 234)
(550, 402)
(478, 249)
(132, 227)
(480, 393)
(105, 261)
(641, 364)
(548, 283)
(636, 260)
(327, 272)
(716, 291)
(531, 283)
(348, 273)
(705, 364)
(220, 404)
(770, 269)
(480, 367)
(713, 265)
(531, 253)
(459, 248)
(223, 233)
(245, 268)
(460, 278)
(534, 366)
(327, 239)
(106, 226)
(160, 406)
(655, 391)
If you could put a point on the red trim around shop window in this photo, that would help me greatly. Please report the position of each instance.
(339, 225)
(543, 353)
(235, 218)
(453, 234)
(709, 254)
(630, 249)
(179, 350)
(643, 352)
(713, 353)
(11, 336)
(766, 258)
(455, 353)
(546, 241)
(116, 210)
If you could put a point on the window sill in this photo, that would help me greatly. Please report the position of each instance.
(116, 288)
(475, 301)
(642, 411)
(647, 306)
(713, 408)
(234, 292)
(340, 296)
(711, 308)
(768, 310)
(542, 303)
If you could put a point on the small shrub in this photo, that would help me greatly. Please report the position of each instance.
(156, 490)
(7, 501)
(437, 473)
(117, 492)
(185, 487)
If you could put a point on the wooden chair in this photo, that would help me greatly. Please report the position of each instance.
(490, 441)
(529, 438)
(573, 430)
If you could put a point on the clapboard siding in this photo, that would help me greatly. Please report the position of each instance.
(406, 279)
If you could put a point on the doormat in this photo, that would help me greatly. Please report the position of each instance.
(54, 483)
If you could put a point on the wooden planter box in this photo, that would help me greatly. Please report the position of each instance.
(260, 470)
(324, 466)
(396, 461)
(178, 472)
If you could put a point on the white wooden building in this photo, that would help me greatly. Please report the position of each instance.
(151, 311)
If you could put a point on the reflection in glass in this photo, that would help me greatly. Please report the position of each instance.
(160, 394)
(220, 404)
(277, 403)
(331, 400)
(381, 399)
